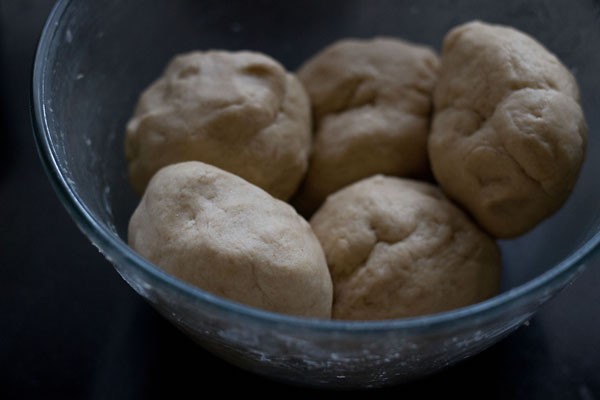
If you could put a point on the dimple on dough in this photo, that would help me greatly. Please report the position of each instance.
(508, 135)
(240, 111)
(371, 102)
(222, 234)
(398, 248)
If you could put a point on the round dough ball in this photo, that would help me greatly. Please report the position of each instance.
(371, 104)
(240, 111)
(216, 231)
(508, 135)
(398, 248)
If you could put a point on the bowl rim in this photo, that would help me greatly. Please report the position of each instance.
(117, 251)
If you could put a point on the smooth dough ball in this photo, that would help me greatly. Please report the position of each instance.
(240, 111)
(508, 135)
(222, 234)
(398, 248)
(371, 104)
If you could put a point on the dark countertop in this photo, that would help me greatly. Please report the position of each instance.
(72, 328)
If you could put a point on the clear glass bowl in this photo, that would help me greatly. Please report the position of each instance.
(95, 57)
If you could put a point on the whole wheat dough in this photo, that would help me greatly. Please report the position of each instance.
(371, 102)
(508, 135)
(240, 111)
(216, 231)
(398, 248)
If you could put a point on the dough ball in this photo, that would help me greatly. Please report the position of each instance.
(398, 248)
(239, 111)
(508, 136)
(216, 231)
(371, 104)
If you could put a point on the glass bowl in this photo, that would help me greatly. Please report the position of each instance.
(95, 57)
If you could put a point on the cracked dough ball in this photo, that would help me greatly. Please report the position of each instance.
(371, 104)
(216, 231)
(240, 111)
(508, 136)
(398, 248)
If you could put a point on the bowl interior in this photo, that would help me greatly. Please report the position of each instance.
(103, 54)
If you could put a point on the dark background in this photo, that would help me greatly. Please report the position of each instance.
(70, 328)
